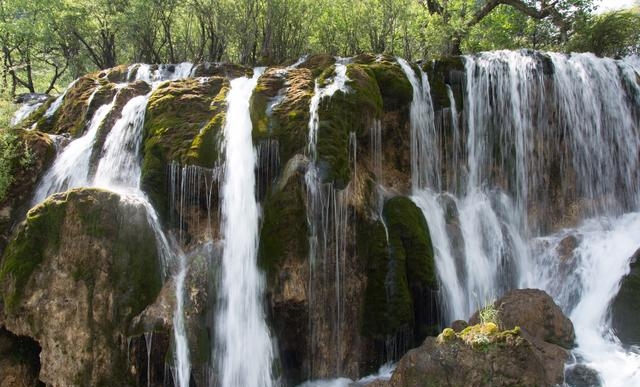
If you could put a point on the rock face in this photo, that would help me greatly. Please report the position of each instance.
(19, 361)
(73, 278)
(625, 307)
(531, 354)
(34, 152)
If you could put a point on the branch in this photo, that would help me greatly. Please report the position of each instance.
(95, 58)
(545, 11)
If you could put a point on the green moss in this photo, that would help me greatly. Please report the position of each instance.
(342, 114)
(318, 63)
(410, 238)
(387, 303)
(71, 117)
(26, 250)
(441, 73)
(182, 123)
(289, 120)
(284, 228)
(395, 88)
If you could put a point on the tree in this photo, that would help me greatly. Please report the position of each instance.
(614, 34)
(31, 40)
(463, 15)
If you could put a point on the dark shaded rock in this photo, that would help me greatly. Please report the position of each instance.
(221, 69)
(580, 375)
(625, 307)
(72, 115)
(19, 360)
(81, 266)
(459, 325)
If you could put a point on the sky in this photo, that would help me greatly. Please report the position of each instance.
(607, 5)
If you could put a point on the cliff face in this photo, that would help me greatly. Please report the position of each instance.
(351, 273)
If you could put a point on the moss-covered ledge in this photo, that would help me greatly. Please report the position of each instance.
(183, 123)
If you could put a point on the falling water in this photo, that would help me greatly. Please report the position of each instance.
(327, 216)
(53, 108)
(119, 170)
(119, 165)
(425, 163)
(244, 346)
(539, 127)
(71, 167)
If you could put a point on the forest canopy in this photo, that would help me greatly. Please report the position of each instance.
(46, 43)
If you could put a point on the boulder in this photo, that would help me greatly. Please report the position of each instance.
(525, 348)
(77, 271)
(579, 375)
(625, 307)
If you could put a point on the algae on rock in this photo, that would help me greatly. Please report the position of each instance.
(91, 249)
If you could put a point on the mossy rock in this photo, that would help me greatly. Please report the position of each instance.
(72, 116)
(410, 245)
(183, 123)
(289, 120)
(442, 72)
(101, 246)
(400, 271)
(387, 303)
(39, 233)
(283, 235)
(395, 88)
(318, 63)
(34, 152)
(342, 114)
(269, 85)
(225, 70)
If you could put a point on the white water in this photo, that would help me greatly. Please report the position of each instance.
(118, 170)
(244, 350)
(511, 141)
(71, 167)
(24, 111)
(425, 163)
(53, 108)
(119, 165)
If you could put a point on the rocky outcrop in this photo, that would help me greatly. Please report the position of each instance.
(183, 122)
(625, 307)
(82, 265)
(33, 152)
(531, 352)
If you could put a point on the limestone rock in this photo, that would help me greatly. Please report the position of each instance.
(79, 269)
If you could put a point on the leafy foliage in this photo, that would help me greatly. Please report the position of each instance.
(612, 34)
(45, 43)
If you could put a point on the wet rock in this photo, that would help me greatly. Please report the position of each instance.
(625, 307)
(19, 360)
(580, 375)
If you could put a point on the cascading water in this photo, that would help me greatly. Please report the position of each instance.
(118, 170)
(244, 349)
(327, 216)
(550, 140)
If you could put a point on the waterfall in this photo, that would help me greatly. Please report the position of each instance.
(244, 346)
(71, 167)
(551, 146)
(327, 217)
(425, 164)
(118, 170)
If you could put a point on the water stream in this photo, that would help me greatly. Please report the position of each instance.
(244, 350)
